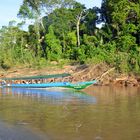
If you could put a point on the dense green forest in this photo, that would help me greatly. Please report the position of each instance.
(66, 31)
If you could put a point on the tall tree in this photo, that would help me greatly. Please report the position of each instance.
(79, 11)
(35, 9)
(12, 41)
(119, 14)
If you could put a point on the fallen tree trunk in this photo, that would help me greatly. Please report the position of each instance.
(100, 78)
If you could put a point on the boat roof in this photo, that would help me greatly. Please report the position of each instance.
(39, 77)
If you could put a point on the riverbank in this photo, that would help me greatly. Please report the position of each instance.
(105, 74)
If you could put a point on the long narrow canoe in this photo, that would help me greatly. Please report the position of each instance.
(77, 86)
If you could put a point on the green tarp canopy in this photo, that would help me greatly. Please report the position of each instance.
(39, 77)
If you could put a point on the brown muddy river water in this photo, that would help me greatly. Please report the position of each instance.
(99, 113)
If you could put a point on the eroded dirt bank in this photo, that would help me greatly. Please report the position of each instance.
(102, 72)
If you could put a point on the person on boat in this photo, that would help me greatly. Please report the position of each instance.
(23, 82)
(3, 82)
(30, 82)
(27, 82)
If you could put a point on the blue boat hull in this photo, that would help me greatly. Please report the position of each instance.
(78, 85)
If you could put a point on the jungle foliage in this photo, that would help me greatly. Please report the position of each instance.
(67, 31)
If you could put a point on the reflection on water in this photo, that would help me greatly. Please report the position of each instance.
(53, 96)
(104, 113)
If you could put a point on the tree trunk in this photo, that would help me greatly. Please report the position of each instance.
(78, 28)
(78, 36)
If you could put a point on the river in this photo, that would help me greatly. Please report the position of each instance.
(98, 113)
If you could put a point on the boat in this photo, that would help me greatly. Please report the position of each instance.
(77, 86)
(9, 82)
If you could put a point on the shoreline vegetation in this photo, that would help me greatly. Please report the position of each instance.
(68, 34)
